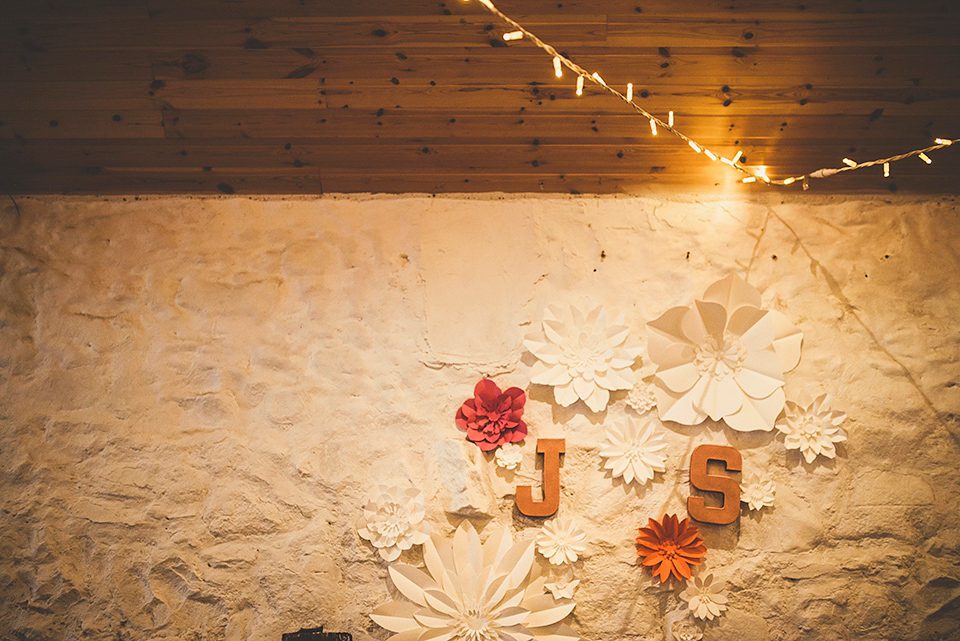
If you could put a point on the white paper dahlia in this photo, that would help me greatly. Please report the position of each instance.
(561, 541)
(634, 450)
(705, 598)
(757, 492)
(393, 521)
(474, 592)
(582, 357)
(723, 358)
(508, 456)
(812, 427)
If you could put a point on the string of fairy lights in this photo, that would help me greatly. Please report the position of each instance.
(753, 174)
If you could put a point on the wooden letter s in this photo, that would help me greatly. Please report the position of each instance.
(551, 448)
(699, 478)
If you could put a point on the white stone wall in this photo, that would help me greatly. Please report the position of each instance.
(196, 395)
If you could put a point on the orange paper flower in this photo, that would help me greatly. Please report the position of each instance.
(670, 547)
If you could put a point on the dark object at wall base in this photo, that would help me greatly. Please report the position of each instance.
(317, 634)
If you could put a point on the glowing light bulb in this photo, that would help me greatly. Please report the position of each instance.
(670, 119)
(710, 154)
(749, 179)
(597, 77)
(737, 158)
(789, 181)
(579, 85)
(762, 173)
(849, 163)
(653, 127)
(943, 141)
(697, 148)
(557, 67)
(513, 35)
(886, 170)
(629, 91)
(925, 158)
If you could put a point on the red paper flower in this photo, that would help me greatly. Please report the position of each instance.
(670, 547)
(492, 417)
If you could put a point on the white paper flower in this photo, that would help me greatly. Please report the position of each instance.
(642, 398)
(561, 586)
(633, 452)
(757, 492)
(685, 630)
(509, 455)
(812, 428)
(393, 521)
(704, 598)
(582, 357)
(723, 358)
(474, 592)
(561, 541)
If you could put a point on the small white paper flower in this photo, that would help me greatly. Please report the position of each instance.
(634, 452)
(642, 398)
(582, 357)
(509, 455)
(393, 521)
(757, 492)
(561, 541)
(685, 630)
(723, 358)
(474, 592)
(562, 585)
(812, 427)
(705, 598)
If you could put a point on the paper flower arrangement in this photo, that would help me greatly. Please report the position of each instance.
(582, 357)
(812, 427)
(474, 592)
(642, 398)
(393, 521)
(509, 456)
(492, 418)
(633, 452)
(705, 598)
(670, 547)
(723, 358)
(561, 586)
(561, 541)
(757, 492)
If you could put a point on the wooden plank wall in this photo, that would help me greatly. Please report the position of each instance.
(313, 96)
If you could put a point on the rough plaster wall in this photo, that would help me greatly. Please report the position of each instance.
(195, 396)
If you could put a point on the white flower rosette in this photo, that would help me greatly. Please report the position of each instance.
(582, 356)
(393, 521)
(723, 358)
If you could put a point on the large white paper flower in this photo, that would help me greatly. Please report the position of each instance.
(508, 456)
(393, 521)
(582, 357)
(757, 492)
(705, 598)
(474, 592)
(634, 452)
(812, 427)
(723, 358)
(561, 541)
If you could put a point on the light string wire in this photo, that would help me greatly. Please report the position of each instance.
(753, 174)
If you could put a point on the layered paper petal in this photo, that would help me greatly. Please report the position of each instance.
(723, 358)
(812, 427)
(393, 521)
(492, 418)
(634, 451)
(582, 356)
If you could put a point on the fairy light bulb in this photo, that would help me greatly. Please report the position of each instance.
(513, 35)
(849, 163)
(925, 158)
(709, 154)
(629, 92)
(670, 119)
(697, 148)
(943, 141)
(762, 174)
(737, 158)
(597, 77)
(749, 179)
(653, 127)
(789, 181)
(557, 67)
(886, 170)
(579, 85)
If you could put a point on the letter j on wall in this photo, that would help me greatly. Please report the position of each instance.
(551, 448)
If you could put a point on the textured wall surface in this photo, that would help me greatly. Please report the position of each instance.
(197, 395)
